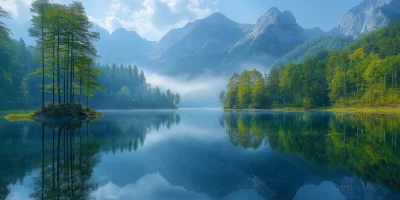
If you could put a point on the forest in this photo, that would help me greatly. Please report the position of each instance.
(363, 74)
(61, 69)
(127, 88)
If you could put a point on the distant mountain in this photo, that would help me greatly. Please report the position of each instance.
(315, 32)
(314, 46)
(123, 46)
(368, 16)
(274, 34)
(198, 41)
(217, 44)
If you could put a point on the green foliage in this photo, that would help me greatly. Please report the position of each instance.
(246, 90)
(61, 66)
(127, 89)
(312, 47)
(364, 74)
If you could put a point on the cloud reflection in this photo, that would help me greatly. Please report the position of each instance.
(151, 186)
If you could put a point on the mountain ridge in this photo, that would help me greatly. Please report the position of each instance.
(217, 43)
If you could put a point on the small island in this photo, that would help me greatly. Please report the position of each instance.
(75, 110)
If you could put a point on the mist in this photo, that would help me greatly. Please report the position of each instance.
(200, 91)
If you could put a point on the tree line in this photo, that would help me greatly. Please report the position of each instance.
(16, 61)
(364, 74)
(128, 88)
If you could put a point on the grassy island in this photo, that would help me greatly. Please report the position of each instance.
(70, 110)
(55, 111)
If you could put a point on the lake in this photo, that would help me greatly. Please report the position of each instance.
(203, 154)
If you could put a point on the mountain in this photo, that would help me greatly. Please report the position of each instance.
(315, 32)
(274, 34)
(313, 47)
(123, 46)
(204, 40)
(368, 16)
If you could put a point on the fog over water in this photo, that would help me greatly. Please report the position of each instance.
(202, 90)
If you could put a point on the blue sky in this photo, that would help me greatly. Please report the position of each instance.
(153, 18)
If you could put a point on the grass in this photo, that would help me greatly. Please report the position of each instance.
(19, 116)
(7, 112)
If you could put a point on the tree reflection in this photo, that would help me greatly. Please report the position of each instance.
(365, 144)
(66, 151)
(128, 132)
(244, 130)
(66, 170)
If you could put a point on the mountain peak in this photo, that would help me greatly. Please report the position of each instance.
(315, 32)
(217, 15)
(216, 18)
(274, 17)
(122, 32)
(273, 10)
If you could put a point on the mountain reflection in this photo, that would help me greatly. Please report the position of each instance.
(364, 144)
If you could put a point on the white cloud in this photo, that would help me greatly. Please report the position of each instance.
(152, 186)
(151, 19)
(154, 18)
(10, 6)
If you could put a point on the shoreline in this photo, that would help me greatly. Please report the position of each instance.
(53, 112)
(338, 110)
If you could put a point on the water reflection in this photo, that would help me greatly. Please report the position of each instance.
(203, 154)
(364, 144)
(65, 152)
(67, 159)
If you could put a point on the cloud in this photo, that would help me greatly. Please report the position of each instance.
(152, 186)
(153, 18)
(149, 18)
(17, 8)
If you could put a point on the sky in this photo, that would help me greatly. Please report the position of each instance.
(152, 19)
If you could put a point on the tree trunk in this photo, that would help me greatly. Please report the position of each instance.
(88, 87)
(344, 87)
(53, 63)
(42, 24)
(72, 68)
(65, 75)
(58, 60)
(67, 68)
(357, 85)
(80, 86)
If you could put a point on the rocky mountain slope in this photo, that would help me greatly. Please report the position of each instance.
(274, 34)
(368, 16)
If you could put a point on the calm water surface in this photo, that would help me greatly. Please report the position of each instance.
(203, 154)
